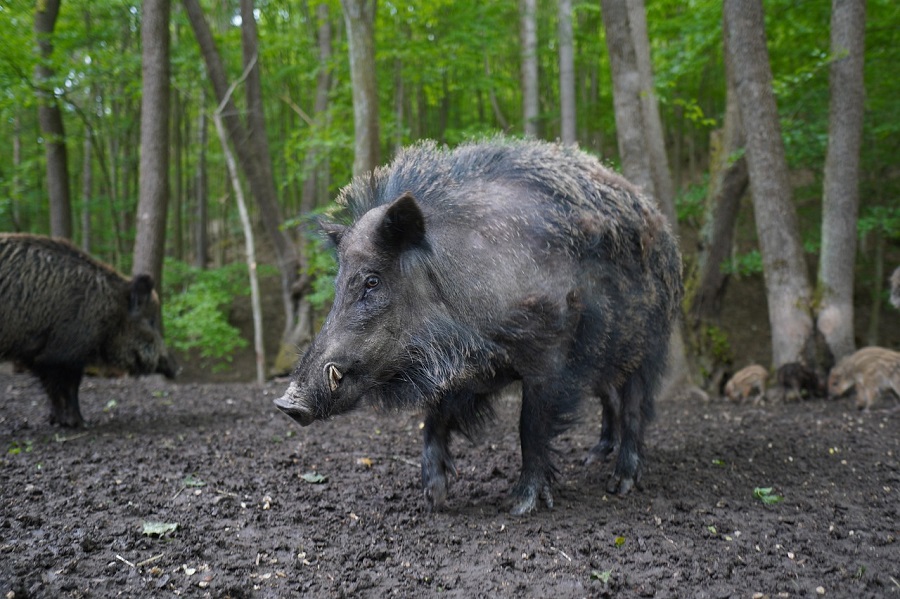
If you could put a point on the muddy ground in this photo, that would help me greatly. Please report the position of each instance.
(232, 478)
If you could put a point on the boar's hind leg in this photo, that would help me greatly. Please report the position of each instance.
(547, 408)
(61, 384)
(609, 427)
(636, 411)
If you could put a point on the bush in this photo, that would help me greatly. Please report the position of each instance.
(195, 310)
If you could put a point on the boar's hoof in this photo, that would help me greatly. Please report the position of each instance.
(527, 496)
(434, 481)
(600, 452)
(67, 419)
(621, 485)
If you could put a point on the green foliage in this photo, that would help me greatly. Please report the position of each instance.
(884, 220)
(690, 203)
(744, 265)
(195, 310)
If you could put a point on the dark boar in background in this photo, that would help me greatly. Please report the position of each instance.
(61, 310)
(465, 270)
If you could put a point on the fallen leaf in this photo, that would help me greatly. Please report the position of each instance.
(314, 478)
(158, 529)
(367, 462)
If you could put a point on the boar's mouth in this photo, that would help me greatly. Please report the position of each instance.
(292, 404)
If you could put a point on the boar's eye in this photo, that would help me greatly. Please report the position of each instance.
(372, 282)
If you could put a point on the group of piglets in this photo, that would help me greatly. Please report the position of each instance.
(870, 374)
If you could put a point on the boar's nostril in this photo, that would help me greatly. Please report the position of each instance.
(333, 375)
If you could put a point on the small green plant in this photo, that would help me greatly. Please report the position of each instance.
(195, 310)
(767, 495)
(744, 265)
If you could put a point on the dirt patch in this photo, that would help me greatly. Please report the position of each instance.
(219, 461)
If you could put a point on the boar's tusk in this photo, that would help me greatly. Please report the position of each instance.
(334, 377)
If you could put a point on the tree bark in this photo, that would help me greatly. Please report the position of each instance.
(359, 16)
(530, 98)
(728, 182)
(310, 195)
(841, 188)
(633, 150)
(51, 121)
(568, 118)
(787, 281)
(663, 187)
(153, 195)
(201, 221)
(259, 178)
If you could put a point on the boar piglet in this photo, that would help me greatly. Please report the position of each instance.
(462, 271)
(62, 311)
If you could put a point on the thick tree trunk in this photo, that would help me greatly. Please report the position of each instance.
(530, 98)
(51, 122)
(841, 188)
(359, 16)
(787, 281)
(153, 195)
(566, 75)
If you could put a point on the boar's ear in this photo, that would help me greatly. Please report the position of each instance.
(140, 293)
(403, 225)
(334, 231)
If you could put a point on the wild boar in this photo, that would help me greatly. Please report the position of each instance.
(62, 311)
(870, 372)
(748, 383)
(796, 382)
(465, 270)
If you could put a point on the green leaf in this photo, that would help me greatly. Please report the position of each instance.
(767, 495)
(192, 481)
(620, 541)
(159, 529)
(601, 576)
(314, 478)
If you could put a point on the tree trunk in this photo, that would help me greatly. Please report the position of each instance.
(633, 150)
(153, 195)
(259, 177)
(663, 188)
(728, 182)
(310, 194)
(359, 16)
(530, 98)
(201, 221)
(841, 188)
(787, 281)
(51, 123)
(87, 188)
(568, 119)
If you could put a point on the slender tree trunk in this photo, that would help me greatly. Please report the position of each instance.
(663, 188)
(309, 196)
(87, 189)
(201, 221)
(259, 177)
(787, 281)
(249, 243)
(841, 188)
(150, 237)
(51, 122)
(16, 187)
(728, 182)
(359, 16)
(530, 97)
(568, 120)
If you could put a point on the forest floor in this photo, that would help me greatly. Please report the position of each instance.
(247, 504)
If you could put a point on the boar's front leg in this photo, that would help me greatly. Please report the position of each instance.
(547, 407)
(61, 384)
(436, 458)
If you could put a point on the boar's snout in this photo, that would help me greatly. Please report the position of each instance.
(168, 367)
(292, 404)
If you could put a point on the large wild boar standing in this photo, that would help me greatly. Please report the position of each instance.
(61, 310)
(462, 271)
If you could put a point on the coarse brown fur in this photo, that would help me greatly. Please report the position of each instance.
(869, 372)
